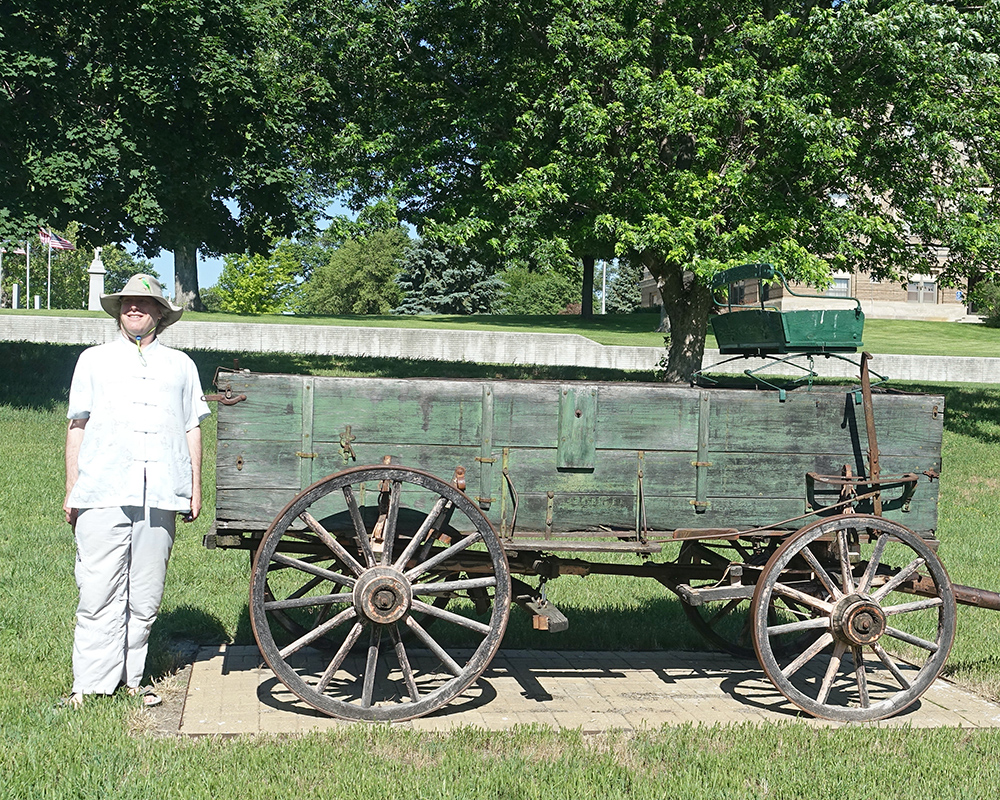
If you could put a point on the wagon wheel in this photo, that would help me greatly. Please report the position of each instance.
(362, 553)
(727, 624)
(879, 647)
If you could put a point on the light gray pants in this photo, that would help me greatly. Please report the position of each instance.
(121, 566)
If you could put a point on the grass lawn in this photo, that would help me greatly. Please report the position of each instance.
(639, 330)
(101, 751)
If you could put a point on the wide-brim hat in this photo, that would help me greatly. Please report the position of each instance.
(142, 286)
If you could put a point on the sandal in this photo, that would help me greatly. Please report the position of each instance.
(74, 701)
(149, 697)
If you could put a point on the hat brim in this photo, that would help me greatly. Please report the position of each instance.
(112, 304)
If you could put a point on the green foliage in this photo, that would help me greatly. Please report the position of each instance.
(359, 277)
(438, 279)
(527, 291)
(257, 284)
(623, 288)
(688, 137)
(985, 298)
(166, 123)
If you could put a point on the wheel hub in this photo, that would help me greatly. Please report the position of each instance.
(858, 620)
(383, 595)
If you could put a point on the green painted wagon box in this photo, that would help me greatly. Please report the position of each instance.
(584, 459)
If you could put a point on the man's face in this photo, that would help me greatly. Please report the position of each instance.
(139, 315)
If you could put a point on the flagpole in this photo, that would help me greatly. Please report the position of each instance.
(27, 273)
(48, 284)
(2, 251)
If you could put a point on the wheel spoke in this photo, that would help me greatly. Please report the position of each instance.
(839, 648)
(785, 590)
(371, 665)
(360, 531)
(334, 546)
(312, 569)
(808, 654)
(305, 602)
(404, 663)
(433, 646)
(444, 555)
(391, 517)
(448, 616)
(822, 574)
(846, 578)
(873, 564)
(814, 623)
(338, 658)
(422, 531)
(890, 665)
(899, 578)
(727, 608)
(445, 587)
(916, 605)
(318, 632)
(859, 671)
(909, 638)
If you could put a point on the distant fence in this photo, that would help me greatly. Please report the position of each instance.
(486, 347)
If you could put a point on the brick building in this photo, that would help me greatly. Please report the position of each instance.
(921, 298)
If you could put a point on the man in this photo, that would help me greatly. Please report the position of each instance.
(133, 460)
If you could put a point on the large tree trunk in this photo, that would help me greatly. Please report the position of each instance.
(587, 301)
(186, 278)
(686, 301)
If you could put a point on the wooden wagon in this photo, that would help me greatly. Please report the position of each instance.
(395, 522)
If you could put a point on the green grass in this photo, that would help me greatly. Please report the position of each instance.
(639, 330)
(47, 752)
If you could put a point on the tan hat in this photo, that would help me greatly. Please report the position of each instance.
(142, 286)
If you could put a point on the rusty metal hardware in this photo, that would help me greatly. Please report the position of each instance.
(458, 479)
(226, 396)
(873, 465)
(227, 399)
(346, 451)
(239, 462)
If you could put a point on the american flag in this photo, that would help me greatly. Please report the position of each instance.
(17, 251)
(55, 241)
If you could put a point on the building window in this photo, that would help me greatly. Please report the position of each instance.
(841, 287)
(921, 292)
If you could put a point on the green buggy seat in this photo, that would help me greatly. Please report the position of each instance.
(764, 330)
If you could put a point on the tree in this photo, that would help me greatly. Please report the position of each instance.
(624, 295)
(176, 124)
(359, 277)
(683, 137)
(438, 279)
(257, 284)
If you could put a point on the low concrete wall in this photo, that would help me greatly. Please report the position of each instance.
(486, 347)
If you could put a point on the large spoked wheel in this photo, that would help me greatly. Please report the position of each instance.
(728, 624)
(348, 577)
(882, 606)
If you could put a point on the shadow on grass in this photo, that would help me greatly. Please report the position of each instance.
(176, 637)
(38, 376)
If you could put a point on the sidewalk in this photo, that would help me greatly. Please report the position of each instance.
(231, 691)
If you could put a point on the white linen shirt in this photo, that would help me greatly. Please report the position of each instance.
(134, 450)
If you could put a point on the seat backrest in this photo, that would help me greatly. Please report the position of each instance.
(745, 272)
